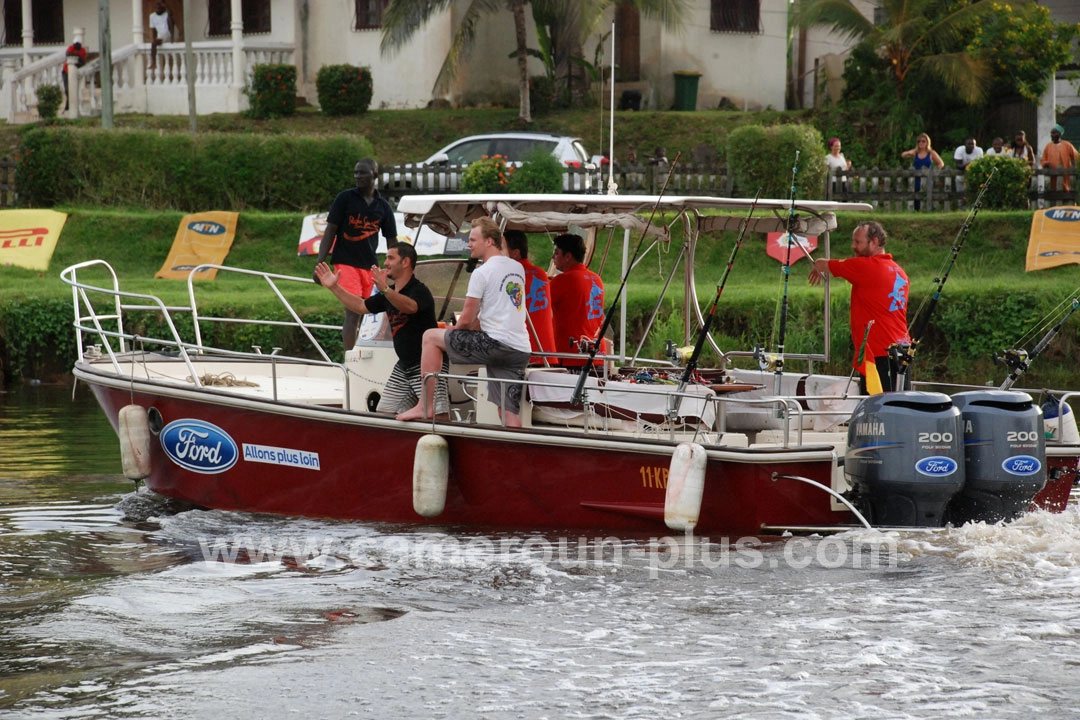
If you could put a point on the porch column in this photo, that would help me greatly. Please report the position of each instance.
(137, 38)
(237, 27)
(27, 29)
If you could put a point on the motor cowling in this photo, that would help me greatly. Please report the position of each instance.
(1004, 455)
(905, 458)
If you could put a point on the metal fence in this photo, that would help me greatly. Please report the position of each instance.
(888, 189)
(7, 182)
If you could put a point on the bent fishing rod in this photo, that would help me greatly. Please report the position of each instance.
(579, 389)
(1019, 360)
(904, 353)
(782, 333)
(692, 362)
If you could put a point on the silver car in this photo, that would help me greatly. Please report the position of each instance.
(432, 174)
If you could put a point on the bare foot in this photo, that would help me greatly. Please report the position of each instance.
(413, 413)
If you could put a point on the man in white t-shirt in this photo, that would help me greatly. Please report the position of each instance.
(967, 153)
(490, 331)
(161, 31)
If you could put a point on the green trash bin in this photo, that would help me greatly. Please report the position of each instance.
(686, 82)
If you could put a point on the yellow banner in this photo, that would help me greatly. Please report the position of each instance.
(28, 237)
(201, 238)
(1055, 238)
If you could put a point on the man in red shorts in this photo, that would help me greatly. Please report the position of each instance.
(352, 236)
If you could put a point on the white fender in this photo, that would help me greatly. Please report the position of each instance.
(685, 486)
(431, 470)
(134, 431)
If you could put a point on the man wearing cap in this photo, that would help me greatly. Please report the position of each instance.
(1059, 153)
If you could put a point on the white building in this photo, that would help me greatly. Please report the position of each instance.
(738, 46)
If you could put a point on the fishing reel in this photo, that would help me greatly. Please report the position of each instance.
(676, 354)
(902, 353)
(767, 362)
(1013, 359)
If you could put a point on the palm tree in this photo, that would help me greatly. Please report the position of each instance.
(405, 17)
(915, 35)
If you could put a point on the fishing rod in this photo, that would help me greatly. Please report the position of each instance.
(779, 371)
(692, 362)
(904, 352)
(579, 389)
(1019, 360)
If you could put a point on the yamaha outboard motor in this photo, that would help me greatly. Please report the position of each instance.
(1004, 455)
(905, 457)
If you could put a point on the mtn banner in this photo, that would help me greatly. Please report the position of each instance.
(28, 237)
(1054, 239)
(201, 238)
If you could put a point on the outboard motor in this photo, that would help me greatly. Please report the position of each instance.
(1004, 455)
(905, 457)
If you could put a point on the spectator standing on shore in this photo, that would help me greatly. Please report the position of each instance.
(967, 153)
(997, 147)
(835, 160)
(923, 156)
(161, 30)
(1061, 154)
(1022, 150)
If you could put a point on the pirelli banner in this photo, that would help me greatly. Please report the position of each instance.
(202, 238)
(1055, 238)
(28, 237)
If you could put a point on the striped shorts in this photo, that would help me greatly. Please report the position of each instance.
(403, 388)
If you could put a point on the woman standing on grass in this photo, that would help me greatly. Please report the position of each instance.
(923, 155)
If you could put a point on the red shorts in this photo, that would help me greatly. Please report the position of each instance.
(356, 280)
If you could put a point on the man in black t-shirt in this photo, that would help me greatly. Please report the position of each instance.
(410, 309)
(351, 238)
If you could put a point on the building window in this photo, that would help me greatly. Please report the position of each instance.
(254, 13)
(369, 14)
(881, 16)
(48, 17)
(741, 16)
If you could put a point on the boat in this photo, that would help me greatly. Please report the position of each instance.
(750, 447)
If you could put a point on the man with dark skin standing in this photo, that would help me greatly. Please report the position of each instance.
(410, 308)
(879, 299)
(352, 237)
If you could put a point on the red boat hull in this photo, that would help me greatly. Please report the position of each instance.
(525, 481)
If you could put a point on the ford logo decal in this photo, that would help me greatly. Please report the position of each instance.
(199, 446)
(1021, 465)
(206, 227)
(936, 466)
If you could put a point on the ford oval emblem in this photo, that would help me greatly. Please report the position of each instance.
(206, 227)
(199, 446)
(936, 466)
(1021, 465)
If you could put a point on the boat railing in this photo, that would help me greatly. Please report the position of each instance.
(89, 321)
(788, 410)
(296, 321)
(86, 313)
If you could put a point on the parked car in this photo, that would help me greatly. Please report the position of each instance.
(434, 173)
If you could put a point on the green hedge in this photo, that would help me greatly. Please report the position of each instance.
(272, 92)
(343, 89)
(762, 157)
(127, 168)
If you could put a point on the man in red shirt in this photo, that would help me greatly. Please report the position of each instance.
(879, 294)
(577, 298)
(537, 295)
(78, 52)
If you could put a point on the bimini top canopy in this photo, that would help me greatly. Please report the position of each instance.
(446, 214)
